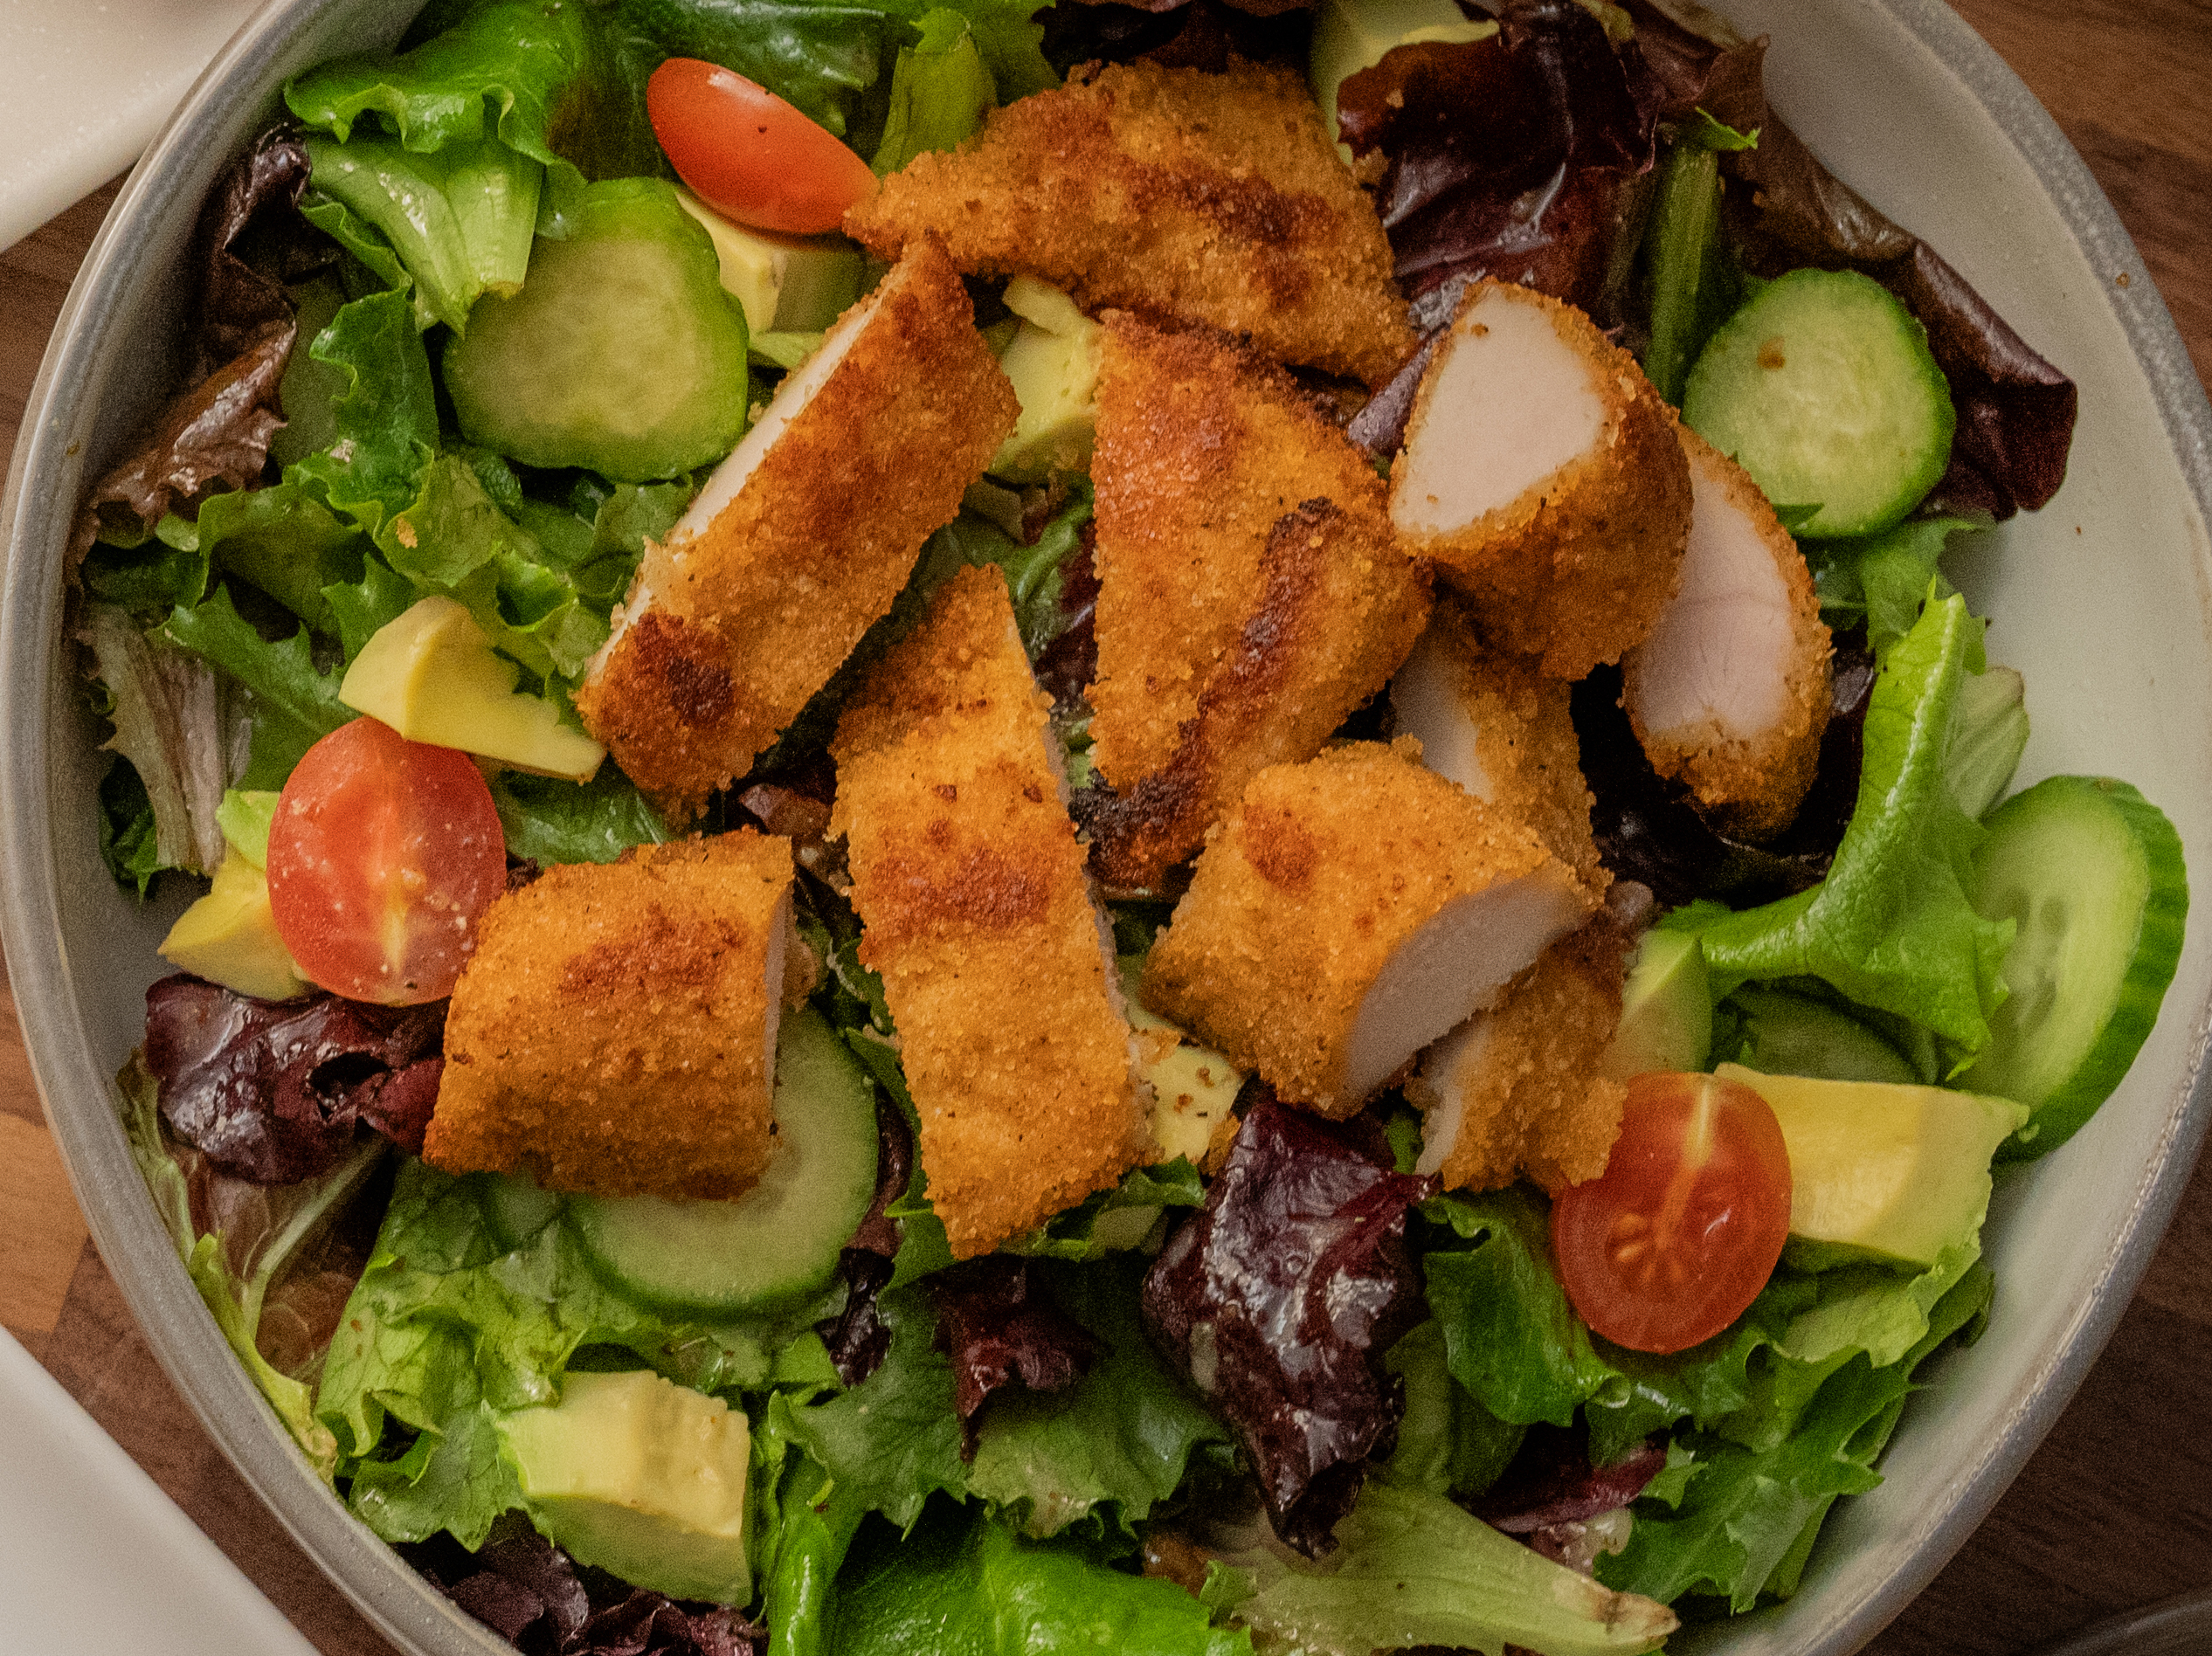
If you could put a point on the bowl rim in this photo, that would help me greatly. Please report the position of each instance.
(45, 480)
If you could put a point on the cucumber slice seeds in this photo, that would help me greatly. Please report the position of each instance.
(779, 1242)
(1824, 390)
(2092, 873)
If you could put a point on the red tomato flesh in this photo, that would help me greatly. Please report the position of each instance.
(1672, 1242)
(749, 155)
(383, 854)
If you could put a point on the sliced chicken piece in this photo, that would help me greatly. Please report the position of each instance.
(1251, 592)
(1730, 694)
(1540, 470)
(976, 910)
(615, 1031)
(1516, 1090)
(1216, 199)
(1349, 912)
(1495, 725)
(800, 539)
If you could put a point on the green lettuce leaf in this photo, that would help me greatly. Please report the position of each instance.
(129, 838)
(1094, 1458)
(940, 93)
(291, 705)
(1883, 580)
(1116, 1219)
(1891, 926)
(176, 727)
(550, 820)
(446, 1316)
(819, 58)
(387, 421)
(153, 577)
(459, 219)
(1411, 1568)
(964, 1585)
(1447, 1443)
(1747, 1513)
(285, 540)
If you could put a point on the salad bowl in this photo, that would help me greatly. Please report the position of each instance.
(2103, 599)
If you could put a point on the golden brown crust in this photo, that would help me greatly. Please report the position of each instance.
(1340, 607)
(1304, 893)
(731, 631)
(1530, 1099)
(1251, 594)
(971, 889)
(1751, 787)
(1575, 572)
(609, 1032)
(1532, 758)
(1209, 198)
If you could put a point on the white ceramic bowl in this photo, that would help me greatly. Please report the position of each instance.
(2103, 598)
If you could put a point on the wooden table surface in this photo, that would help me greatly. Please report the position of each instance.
(2115, 1509)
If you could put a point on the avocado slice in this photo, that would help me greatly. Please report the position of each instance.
(1882, 1171)
(1666, 1009)
(230, 935)
(642, 1477)
(433, 676)
(797, 284)
(1193, 1087)
(1053, 363)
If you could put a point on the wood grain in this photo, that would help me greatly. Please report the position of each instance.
(2114, 1511)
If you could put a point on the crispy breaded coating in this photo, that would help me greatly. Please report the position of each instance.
(1491, 722)
(1517, 1090)
(801, 539)
(977, 911)
(1251, 593)
(1541, 471)
(1731, 693)
(615, 1031)
(1349, 912)
(1216, 199)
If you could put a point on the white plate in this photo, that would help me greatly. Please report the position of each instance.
(94, 1559)
(90, 82)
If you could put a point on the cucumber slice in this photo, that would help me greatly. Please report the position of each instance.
(516, 1210)
(1787, 1034)
(779, 1243)
(2092, 873)
(622, 353)
(1824, 390)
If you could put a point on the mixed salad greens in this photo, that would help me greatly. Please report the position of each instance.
(1008, 1453)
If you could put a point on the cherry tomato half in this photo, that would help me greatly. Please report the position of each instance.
(748, 153)
(1677, 1237)
(383, 854)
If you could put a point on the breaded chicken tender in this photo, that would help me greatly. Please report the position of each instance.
(1216, 199)
(1498, 727)
(1730, 694)
(1516, 1089)
(614, 1033)
(1251, 593)
(800, 539)
(1349, 912)
(976, 910)
(1541, 472)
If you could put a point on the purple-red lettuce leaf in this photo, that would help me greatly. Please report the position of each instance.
(856, 1337)
(250, 241)
(272, 1091)
(1000, 1328)
(532, 1594)
(1278, 1300)
(1524, 156)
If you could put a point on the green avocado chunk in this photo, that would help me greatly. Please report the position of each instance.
(1880, 1171)
(1666, 1009)
(621, 353)
(642, 1477)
